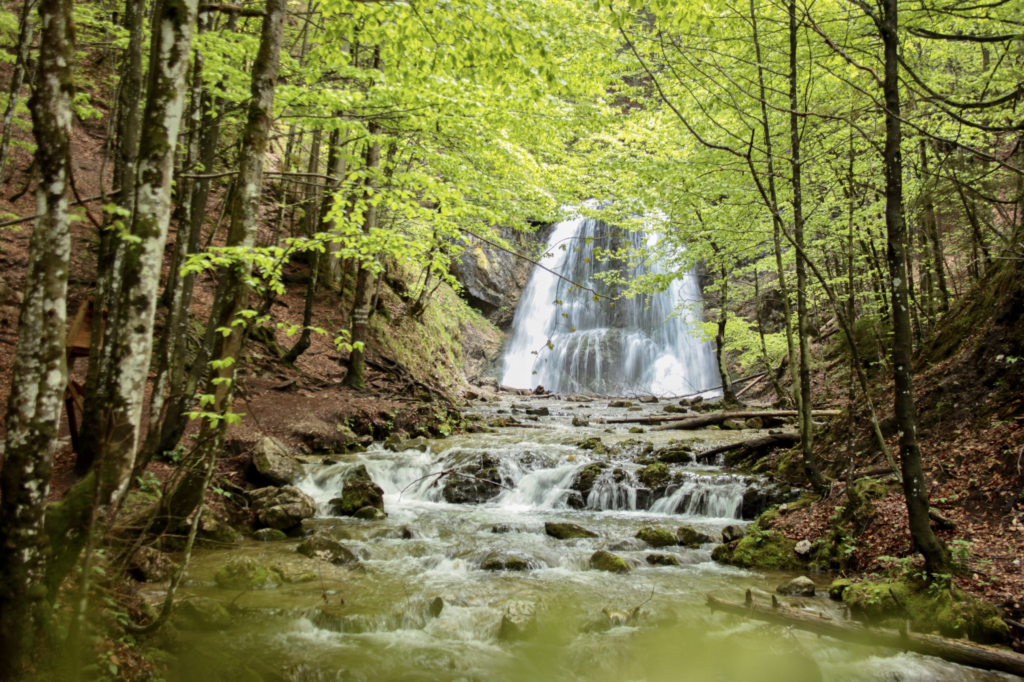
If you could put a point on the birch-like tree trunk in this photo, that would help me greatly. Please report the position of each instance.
(173, 24)
(40, 365)
(234, 289)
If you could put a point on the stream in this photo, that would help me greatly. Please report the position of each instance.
(380, 620)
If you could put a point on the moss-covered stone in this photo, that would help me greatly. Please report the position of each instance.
(506, 561)
(662, 560)
(768, 550)
(567, 531)
(324, 546)
(838, 587)
(595, 445)
(930, 606)
(584, 480)
(688, 537)
(246, 574)
(602, 560)
(654, 475)
(656, 537)
(269, 535)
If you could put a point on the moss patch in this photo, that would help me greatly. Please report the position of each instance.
(768, 550)
(656, 537)
(930, 606)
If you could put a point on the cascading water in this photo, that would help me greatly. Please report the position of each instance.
(568, 342)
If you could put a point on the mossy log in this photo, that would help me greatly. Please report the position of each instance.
(753, 446)
(953, 650)
(719, 417)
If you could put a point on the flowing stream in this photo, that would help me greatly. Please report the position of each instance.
(379, 619)
(568, 342)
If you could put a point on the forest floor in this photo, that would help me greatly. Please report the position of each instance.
(968, 388)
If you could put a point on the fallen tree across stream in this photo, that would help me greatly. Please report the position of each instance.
(771, 440)
(954, 650)
(695, 422)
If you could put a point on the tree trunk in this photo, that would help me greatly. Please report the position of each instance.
(18, 77)
(728, 394)
(935, 555)
(39, 375)
(111, 251)
(806, 425)
(234, 290)
(364, 291)
(172, 29)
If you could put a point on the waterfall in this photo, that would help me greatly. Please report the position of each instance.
(581, 345)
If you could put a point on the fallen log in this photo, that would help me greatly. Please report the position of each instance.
(954, 650)
(719, 417)
(715, 388)
(781, 439)
(516, 391)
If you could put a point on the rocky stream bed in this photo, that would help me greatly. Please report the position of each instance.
(590, 560)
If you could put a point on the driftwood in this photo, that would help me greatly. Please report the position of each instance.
(715, 388)
(516, 391)
(785, 439)
(719, 417)
(954, 650)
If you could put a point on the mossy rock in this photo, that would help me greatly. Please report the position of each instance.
(507, 561)
(654, 475)
(637, 429)
(595, 445)
(200, 614)
(656, 537)
(838, 587)
(603, 560)
(766, 550)
(688, 537)
(677, 454)
(269, 535)
(584, 480)
(246, 574)
(567, 531)
(929, 606)
(662, 560)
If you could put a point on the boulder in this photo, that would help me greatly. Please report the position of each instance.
(593, 444)
(488, 382)
(151, 565)
(323, 546)
(518, 621)
(656, 537)
(574, 500)
(675, 454)
(770, 550)
(297, 570)
(797, 587)
(580, 421)
(567, 531)
(369, 514)
(754, 423)
(358, 493)
(269, 535)
(507, 561)
(654, 475)
(539, 411)
(674, 409)
(637, 429)
(620, 403)
(602, 560)
(732, 425)
(803, 548)
(200, 613)
(758, 497)
(662, 560)
(322, 436)
(436, 606)
(282, 508)
(584, 479)
(733, 533)
(419, 443)
(245, 573)
(648, 399)
(274, 463)
(688, 537)
(478, 489)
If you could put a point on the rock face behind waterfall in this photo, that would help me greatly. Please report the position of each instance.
(588, 345)
(493, 279)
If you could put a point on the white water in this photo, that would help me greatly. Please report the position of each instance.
(643, 344)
